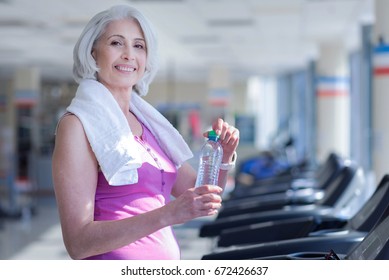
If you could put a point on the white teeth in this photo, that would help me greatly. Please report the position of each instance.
(124, 68)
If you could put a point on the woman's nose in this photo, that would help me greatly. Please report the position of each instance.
(127, 54)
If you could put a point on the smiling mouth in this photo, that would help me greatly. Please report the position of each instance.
(125, 68)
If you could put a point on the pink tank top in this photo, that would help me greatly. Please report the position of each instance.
(156, 178)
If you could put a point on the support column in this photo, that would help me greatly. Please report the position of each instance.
(333, 119)
(219, 93)
(26, 127)
(7, 146)
(380, 89)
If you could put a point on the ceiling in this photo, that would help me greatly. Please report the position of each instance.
(247, 37)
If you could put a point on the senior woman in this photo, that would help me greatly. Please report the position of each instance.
(117, 161)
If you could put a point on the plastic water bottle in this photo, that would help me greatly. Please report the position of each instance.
(211, 155)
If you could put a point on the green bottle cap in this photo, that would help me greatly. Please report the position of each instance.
(212, 135)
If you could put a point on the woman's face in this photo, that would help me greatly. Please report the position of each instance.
(120, 54)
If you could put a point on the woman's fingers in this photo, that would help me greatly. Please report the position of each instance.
(208, 199)
(231, 136)
(206, 189)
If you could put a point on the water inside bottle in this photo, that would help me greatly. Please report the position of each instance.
(208, 175)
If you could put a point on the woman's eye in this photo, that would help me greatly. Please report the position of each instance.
(139, 46)
(116, 43)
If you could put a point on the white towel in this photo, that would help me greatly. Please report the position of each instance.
(111, 138)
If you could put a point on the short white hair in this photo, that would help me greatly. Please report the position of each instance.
(84, 65)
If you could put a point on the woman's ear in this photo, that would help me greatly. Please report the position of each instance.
(93, 53)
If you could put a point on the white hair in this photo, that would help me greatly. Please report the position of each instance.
(85, 67)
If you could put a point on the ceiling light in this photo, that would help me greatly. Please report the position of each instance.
(230, 22)
(156, 1)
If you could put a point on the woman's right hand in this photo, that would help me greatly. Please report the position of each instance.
(195, 202)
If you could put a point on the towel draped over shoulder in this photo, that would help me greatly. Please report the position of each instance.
(111, 138)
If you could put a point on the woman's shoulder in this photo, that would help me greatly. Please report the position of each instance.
(71, 137)
(69, 123)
